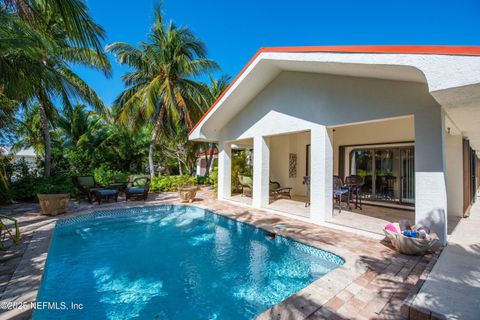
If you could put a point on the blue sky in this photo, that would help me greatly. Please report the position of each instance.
(234, 30)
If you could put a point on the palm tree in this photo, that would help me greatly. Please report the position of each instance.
(214, 91)
(29, 130)
(61, 34)
(75, 123)
(160, 89)
(18, 46)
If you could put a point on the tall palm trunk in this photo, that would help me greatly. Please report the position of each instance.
(209, 153)
(180, 166)
(46, 132)
(153, 142)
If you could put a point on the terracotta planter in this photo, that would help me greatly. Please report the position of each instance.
(187, 194)
(53, 204)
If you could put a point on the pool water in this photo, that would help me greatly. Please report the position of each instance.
(171, 262)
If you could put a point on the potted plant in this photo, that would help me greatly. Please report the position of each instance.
(187, 192)
(53, 198)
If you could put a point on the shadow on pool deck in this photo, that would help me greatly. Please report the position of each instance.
(372, 284)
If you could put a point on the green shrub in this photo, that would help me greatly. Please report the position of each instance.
(171, 183)
(106, 176)
(214, 177)
(204, 180)
(240, 167)
(27, 188)
(4, 191)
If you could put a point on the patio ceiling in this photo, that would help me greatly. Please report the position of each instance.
(452, 75)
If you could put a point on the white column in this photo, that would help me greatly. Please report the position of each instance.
(224, 170)
(454, 174)
(430, 186)
(321, 174)
(261, 171)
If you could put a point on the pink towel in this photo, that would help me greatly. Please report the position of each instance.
(390, 227)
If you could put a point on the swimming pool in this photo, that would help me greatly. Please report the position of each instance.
(171, 262)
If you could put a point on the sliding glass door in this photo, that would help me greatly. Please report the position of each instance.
(388, 172)
(408, 175)
(361, 164)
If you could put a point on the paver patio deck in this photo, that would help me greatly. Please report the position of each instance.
(372, 284)
(452, 289)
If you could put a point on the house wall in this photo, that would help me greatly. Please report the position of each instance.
(201, 167)
(280, 148)
(296, 101)
(454, 174)
(390, 131)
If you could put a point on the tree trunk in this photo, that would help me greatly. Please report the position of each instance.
(153, 142)
(209, 159)
(151, 166)
(46, 133)
(180, 167)
(206, 163)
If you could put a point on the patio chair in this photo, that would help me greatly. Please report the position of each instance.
(138, 187)
(340, 192)
(390, 187)
(355, 184)
(5, 232)
(246, 183)
(276, 190)
(306, 181)
(87, 186)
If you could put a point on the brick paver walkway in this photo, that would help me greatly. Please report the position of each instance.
(372, 284)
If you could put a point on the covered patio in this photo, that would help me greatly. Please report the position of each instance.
(384, 116)
(379, 153)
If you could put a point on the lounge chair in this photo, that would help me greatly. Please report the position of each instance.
(138, 187)
(5, 232)
(246, 183)
(87, 186)
(276, 190)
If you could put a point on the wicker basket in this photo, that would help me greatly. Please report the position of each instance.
(53, 204)
(187, 194)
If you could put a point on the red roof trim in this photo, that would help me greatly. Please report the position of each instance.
(410, 49)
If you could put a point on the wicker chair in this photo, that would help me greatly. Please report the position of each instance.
(355, 184)
(138, 188)
(246, 183)
(87, 186)
(276, 190)
(339, 192)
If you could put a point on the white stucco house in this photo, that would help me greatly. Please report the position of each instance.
(27, 154)
(201, 167)
(406, 118)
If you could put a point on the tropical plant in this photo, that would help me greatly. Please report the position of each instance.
(160, 89)
(74, 123)
(240, 167)
(214, 90)
(29, 130)
(171, 183)
(60, 33)
(183, 151)
(106, 176)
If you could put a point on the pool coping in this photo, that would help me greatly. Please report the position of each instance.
(24, 285)
(310, 299)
